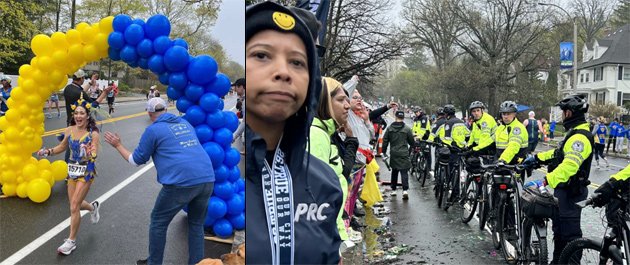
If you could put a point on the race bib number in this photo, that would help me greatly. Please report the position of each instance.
(76, 170)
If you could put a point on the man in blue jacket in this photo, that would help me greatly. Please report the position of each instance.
(173, 145)
(612, 138)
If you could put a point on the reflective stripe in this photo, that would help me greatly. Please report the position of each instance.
(576, 160)
(579, 155)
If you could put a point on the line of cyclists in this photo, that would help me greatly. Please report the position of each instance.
(483, 171)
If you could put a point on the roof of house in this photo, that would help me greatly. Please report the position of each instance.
(618, 52)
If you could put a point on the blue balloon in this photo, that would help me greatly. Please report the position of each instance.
(231, 120)
(145, 48)
(209, 221)
(242, 194)
(220, 86)
(164, 78)
(240, 184)
(232, 156)
(161, 44)
(143, 63)
(133, 64)
(237, 221)
(173, 93)
(224, 190)
(134, 34)
(128, 54)
(221, 173)
(183, 104)
(193, 92)
(176, 59)
(222, 228)
(202, 69)
(215, 152)
(121, 22)
(158, 25)
(215, 119)
(204, 133)
(235, 174)
(235, 205)
(138, 21)
(116, 40)
(221, 105)
(209, 102)
(217, 208)
(223, 136)
(114, 54)
(156, 64)
(181, 42)
(195, 115)
(178, 81)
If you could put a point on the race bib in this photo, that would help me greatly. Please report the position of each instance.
(76, 170)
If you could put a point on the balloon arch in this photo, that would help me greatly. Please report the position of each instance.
(193, 81)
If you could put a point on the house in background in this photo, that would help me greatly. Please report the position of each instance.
(604, 73)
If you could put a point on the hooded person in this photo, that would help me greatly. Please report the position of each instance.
(293, 198)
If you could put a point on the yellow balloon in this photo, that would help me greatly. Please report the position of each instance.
(43, 164)
(29, 171)
(47, 176)
(45, 63)
(12, 115)
(59, 169)
(41, 45)
(34, 63)
(75, 53)
(20, 179)
(56, 77)
(25, 71)
(60, 57)
(39, 76)
(82, 26)
(11, 133)
(8, 176)
(59, 41)
(9, 189)
(38, 190)
(87, 34)
(33, 100)
(100, 41)
(105, 25)
(90, 52)
(73, 36)
(3, 123)
(28, 85)
(21, 190)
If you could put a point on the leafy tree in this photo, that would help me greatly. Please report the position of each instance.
(621, 15)
(17, 29)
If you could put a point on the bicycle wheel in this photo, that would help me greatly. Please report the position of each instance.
(508, 231)
(437, 181)
(493, 219)
(440, 187)
(482, 212)
(535, 245)
(426, 167)
(446, 189)
(414, 166)
(469, 200)
(421, 167)
(582, 251)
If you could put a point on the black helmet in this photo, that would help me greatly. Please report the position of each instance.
(574, 103)
(449, 109)
(476, 104)
(440, 111)
(419, 109)
(507, 106)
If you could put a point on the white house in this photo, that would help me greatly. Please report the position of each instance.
(604, 73)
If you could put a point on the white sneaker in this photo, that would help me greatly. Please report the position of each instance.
(405, 195)
(67, 247)
(355, 236)
(94, 216)
(393, 193)
(345, 245)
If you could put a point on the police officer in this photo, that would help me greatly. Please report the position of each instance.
(483, 127)
(511, 136)
(569, 166)
(441, 119)
(421, 125)
(453, 133)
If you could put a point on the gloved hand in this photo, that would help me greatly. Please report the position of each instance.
(606, 192)
(425, 136)
(530, 162)
(501, 163)
(536, 183)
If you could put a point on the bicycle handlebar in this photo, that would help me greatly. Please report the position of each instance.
(497, 166)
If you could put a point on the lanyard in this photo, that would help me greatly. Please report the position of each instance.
(278, 198)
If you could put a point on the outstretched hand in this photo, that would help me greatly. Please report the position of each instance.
(113, 139)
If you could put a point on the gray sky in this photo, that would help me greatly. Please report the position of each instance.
(229, 29)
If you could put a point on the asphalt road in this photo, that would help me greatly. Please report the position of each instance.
(121, 236)
(439, 237)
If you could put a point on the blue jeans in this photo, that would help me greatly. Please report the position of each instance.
(168, 203)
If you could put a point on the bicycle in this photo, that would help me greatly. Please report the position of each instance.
(614, 248)
(473, 194)
(449, 176)
(419, 161)
(521, 226)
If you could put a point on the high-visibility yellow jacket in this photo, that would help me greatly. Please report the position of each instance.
(421, 125)
(511, 141)
(482, 132)
(454, 132)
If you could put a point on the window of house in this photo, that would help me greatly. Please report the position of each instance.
(582, 78)
(587, 77)
(598, 76)
(600, 98)
(626, 73)
(620, 98)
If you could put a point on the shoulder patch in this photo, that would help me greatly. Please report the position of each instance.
(516, 131)
(484, 124)
(447, 127)
(578, 146)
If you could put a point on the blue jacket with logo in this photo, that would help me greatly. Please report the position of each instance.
(173, 145)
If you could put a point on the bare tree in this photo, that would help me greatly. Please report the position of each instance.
(592, 17)
(501, 36)
(432, 24)
(359, 40)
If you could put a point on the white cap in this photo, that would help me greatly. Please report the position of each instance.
(79, 73)
(6, 78)
(532, 114)
(153, 87)
(156, 104)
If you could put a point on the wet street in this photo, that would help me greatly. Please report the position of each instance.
(416, 231)
(32, 232)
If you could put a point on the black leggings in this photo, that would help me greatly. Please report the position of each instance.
(405, 178)
(599, 151)
(612, 139)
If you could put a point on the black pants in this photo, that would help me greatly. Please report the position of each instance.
(599, 151)
(405, 178)
(612, 139)
(566, 222)
(531, 146)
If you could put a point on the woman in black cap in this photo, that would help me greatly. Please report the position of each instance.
(292, 197)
